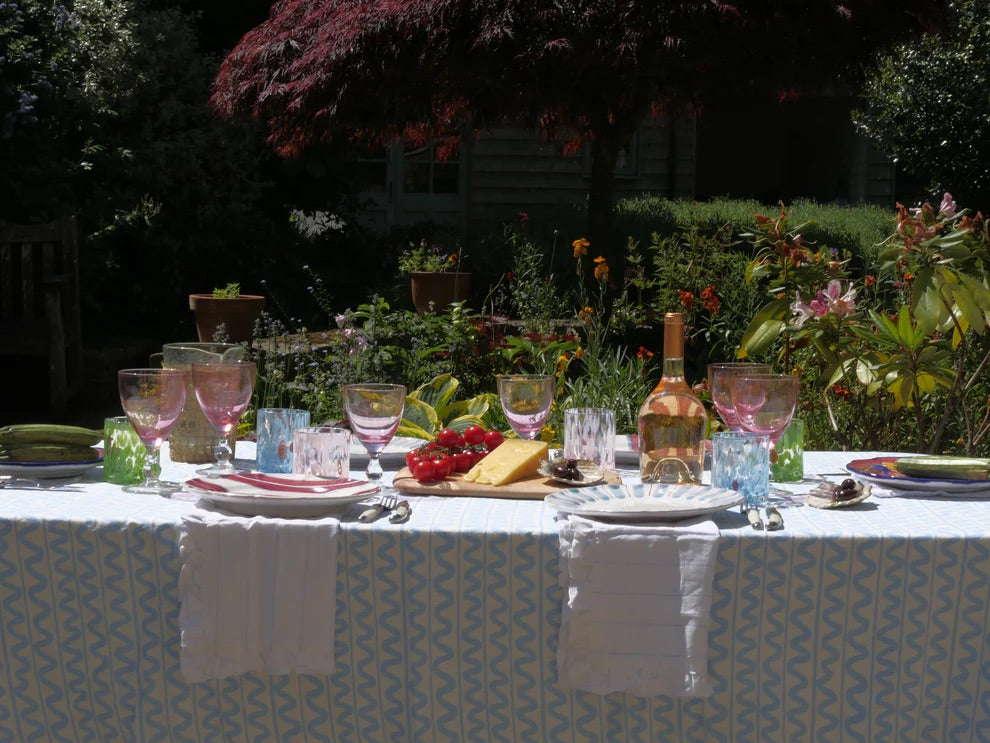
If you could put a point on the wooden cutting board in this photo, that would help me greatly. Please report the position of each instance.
(533, 488)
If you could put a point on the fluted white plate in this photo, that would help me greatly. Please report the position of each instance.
(643, 502)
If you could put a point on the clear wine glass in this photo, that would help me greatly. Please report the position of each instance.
(526, 400)
(719, 377)
(764, 403)
(153, 400)
(374, 412)
(223, 390)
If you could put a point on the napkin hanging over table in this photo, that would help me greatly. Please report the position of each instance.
(257, 594)
(636, 607)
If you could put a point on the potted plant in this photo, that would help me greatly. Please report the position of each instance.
(226, 314)
(435, 276)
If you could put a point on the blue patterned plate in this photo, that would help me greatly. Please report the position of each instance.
(880, 471)
(49, 470)
(643, 502)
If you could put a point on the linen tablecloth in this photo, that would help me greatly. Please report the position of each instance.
(858, 624)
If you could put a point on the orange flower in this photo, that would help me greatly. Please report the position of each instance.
(580, 247)
(644, 353)
(710, 300)
(841, 392)
(687, 299)
(601, 270)
(584, 315)
(870, 280)
(579, 352)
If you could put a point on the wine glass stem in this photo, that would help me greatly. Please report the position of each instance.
(223, 451)
(374, 469)
(152, 465)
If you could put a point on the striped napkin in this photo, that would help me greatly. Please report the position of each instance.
(636, 607)
(257, 594)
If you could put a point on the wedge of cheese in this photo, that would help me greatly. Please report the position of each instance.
(513, 459)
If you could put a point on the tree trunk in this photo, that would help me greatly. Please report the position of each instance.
(604, 151)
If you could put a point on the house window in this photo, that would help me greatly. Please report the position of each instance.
(626, 162)
(422, 173)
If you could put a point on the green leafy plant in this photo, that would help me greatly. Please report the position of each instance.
(915, 360)
(231, 291)
(431, 407)
(429, 258)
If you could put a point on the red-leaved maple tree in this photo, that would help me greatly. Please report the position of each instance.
(373, 71)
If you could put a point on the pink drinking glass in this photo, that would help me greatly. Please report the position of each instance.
(152, 399)
(223, 390)
(374, 412)
(526, 400)
(765, 403)
(719, 377)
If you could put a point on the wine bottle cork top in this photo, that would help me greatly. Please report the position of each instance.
(673, 335)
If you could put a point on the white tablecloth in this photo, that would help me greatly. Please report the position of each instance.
(854, 624)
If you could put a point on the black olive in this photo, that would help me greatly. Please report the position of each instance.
(848, 484)
(566, 469)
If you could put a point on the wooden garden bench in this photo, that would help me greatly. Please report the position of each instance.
(39, 301)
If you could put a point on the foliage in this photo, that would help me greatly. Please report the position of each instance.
(925, 104)
(230, 291)
(104, 114)
(911, 361)
(850, 348)
(429, 258)
(534, 290)
(431, 407)
(588, 73)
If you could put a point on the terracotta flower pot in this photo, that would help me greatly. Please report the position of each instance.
(236, 314)
(439, 288)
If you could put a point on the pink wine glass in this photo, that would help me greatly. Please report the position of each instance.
(765, 403)
(526, 400)
(373, 413)
(719, 377)
(223, 390)
(152, 399)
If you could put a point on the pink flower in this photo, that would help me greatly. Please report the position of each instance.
(947, 207)
(830, 301)
(801, 310)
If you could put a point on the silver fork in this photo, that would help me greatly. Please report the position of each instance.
(386, 502)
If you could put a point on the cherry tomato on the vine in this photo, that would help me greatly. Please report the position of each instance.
(424, 471)
(462, 461)
(442, 466)
(493, 439)
(448, 438)
(474, 435)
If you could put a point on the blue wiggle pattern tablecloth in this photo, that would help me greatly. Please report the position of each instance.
(855, 624)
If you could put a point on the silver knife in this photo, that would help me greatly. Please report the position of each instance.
(401, 512)
(775, 522)
(753, 514)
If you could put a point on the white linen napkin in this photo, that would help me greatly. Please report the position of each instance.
(636, 607)
(257, 594)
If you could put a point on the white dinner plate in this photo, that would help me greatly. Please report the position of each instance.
(48, 470)
(880, 471)
(394, 453)
(262, 494)
(643, 501)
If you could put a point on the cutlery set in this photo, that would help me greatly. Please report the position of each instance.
(398, 511)
(774, 522)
